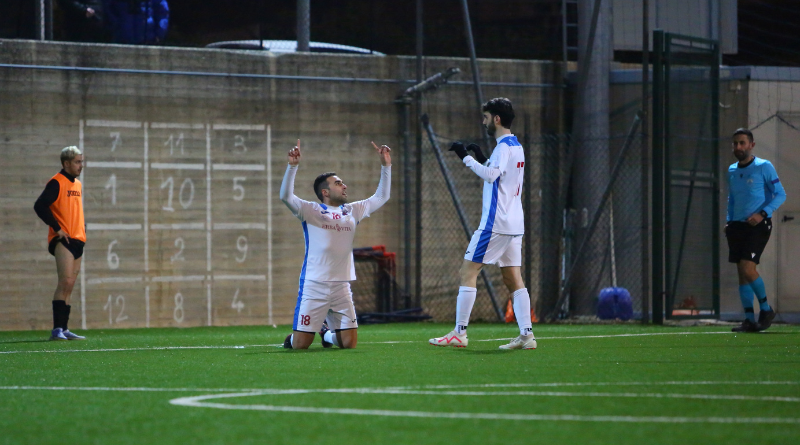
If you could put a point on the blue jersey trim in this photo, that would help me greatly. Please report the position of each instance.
(302, 279)
(776, 180)
(511, 141)
(486, 235)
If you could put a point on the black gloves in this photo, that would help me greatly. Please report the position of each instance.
(477, 153)
(458, 147)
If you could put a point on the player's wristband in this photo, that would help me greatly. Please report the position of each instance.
(763, 213)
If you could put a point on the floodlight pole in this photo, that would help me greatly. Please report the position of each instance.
(476, 74)
(44, 19)
(418, 163)
(645, 176)
(303, 25)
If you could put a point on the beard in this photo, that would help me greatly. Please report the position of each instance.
(491, 129)
(741, 155)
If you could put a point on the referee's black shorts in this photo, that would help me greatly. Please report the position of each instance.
(746, 242)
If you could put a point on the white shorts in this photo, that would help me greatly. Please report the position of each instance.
(318, 300)
(494, 248)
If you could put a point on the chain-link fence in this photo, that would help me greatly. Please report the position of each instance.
(554, 246)
(603, 242)
(444, 239)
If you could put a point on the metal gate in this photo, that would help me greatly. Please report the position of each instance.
(686, 224)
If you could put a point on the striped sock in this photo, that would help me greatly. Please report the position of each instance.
(746, 295)
(761, 294)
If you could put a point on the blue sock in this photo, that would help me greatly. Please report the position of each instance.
(761, 294)
(746, 294)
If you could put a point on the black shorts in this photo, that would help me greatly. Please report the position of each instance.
(746, 242)
(74, 246)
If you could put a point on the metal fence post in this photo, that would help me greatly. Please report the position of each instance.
(658, 177)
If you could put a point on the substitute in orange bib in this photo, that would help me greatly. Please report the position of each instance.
(60, 206)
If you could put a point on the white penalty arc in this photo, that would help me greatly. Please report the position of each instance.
(205, 401)
(213, 401)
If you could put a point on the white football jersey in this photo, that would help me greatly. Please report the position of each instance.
(502, 190)
(329, 231)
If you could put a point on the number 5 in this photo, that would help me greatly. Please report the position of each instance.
(238, 187)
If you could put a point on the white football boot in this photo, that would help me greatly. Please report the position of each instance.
(57, 334)
(521, 342)
(72, 335)
(451, 339)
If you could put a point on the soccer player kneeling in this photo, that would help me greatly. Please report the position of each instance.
(324, 300)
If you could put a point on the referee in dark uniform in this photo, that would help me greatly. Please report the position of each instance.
(754, 193)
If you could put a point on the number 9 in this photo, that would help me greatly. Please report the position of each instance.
(241, 246)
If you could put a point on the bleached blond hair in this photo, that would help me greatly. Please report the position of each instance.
(69, 153)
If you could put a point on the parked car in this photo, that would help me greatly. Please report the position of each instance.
(290, 46)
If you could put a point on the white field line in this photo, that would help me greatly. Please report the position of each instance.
(391, 389)
(280, 345)
(131, 389)
(570, 384)
(617, 335)
(152, 348)
(405, 391)
(199, 402)
(571, 338)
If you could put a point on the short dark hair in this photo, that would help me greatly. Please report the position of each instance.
(745, 132)
(322, 183)
(500, 106)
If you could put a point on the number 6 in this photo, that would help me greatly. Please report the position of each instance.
(112, 258)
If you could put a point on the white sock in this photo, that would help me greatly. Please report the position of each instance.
(330, 337)
(291, 341)
(466, 298)
(522, 310)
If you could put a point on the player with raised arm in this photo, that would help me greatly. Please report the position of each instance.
(324, 299)
(498, 239)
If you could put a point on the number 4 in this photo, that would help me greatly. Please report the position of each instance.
(236, 303)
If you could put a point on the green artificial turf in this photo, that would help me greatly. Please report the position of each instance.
(636, 388)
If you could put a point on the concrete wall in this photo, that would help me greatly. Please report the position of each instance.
(773, 108)
(224, 250)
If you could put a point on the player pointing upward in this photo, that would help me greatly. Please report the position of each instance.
(329, 228)
(498, 239)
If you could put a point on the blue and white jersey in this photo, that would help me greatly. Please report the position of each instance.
(502, 189)
(753, 188)
(329, 231)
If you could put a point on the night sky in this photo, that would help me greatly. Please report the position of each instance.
(518, 29)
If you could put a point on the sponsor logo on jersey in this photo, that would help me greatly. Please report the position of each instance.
(73, 193)
(337, 228)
